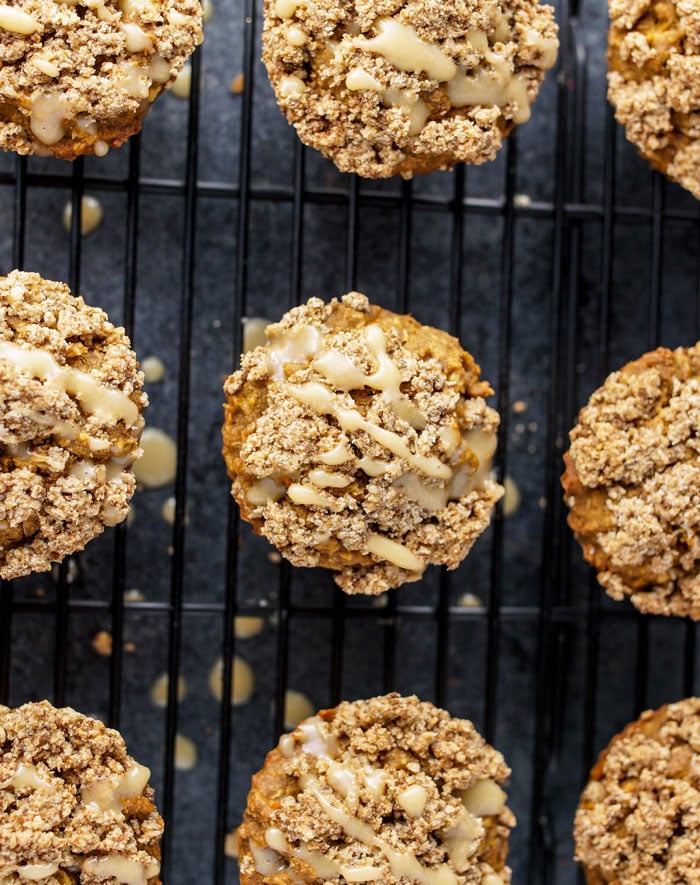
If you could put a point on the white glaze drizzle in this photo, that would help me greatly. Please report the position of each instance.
(123, 869)
(107, 794)
(401, 863)
(401, 45)
(319, 398)
(95, 398)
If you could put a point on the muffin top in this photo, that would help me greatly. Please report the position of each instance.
(403, 86)
(381, 789)
(631, 477)
(360, 440)
(72, 801)
(653, 82)
(70, 421)
(78, 77)
(638, 819)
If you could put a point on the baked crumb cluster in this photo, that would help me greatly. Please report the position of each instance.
(654, 83)
(360, 441)
(639, 817)
(632, 479)
(79, 77)
(74, 806)
(405, 86)
(382, 790)
(70, 421)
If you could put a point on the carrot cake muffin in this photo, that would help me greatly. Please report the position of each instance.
(638, 820)
(75, 807)
(631, 481)
(382, 790)
(360, 440)
(79, 77)
(399, 87)
(654, 82)
(70, 421)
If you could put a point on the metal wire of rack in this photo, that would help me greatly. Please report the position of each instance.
(554, 264)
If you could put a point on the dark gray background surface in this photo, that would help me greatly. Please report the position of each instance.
(555, 264)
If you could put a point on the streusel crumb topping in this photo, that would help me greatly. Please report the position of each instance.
(70, 422)
(389, 789)
(639, 817)
(73, 804)
(406, 86)
(654, 82)
(632, 482)
(361, 441)
(79, 77)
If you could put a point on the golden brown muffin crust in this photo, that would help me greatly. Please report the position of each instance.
(654, 82)
(638, 819)
(387, 789)
(70, 422)
(631, 480)
(360, 441)
(79, 77)
(399, 87)
(73, 804)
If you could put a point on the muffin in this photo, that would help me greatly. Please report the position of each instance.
(406, 86)
(79, 77)
(631, 481)
(637, 821)
(76, 808)
(381, 790)
(653, 83)
(360, 441)
(70, 421)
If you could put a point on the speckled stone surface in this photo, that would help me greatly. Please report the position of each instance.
(535, 283)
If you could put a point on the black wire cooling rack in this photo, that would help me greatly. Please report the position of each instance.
(555, 264)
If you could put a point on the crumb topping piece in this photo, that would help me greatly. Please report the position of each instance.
(653, 77)
(405, 86)
(631, 480)
(360, 440)
(638, 820)
(389, 789)
(75, 807)
(79, 77)
(70, 421)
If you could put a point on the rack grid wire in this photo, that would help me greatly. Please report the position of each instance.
(554, 264)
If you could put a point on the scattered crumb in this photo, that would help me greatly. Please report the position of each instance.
(102, 643)
(238, 84)
(520, 406)
(130, 647)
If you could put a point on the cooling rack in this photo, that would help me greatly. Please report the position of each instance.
(554, 264)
